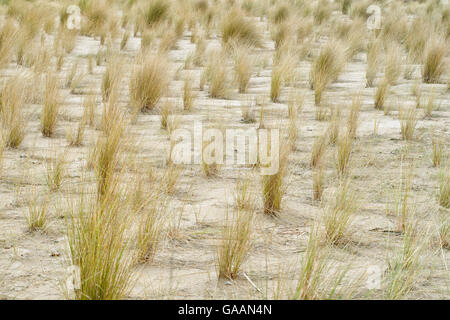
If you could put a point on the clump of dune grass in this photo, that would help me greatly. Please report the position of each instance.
(148, 82)
(280, 13)
(150, 229)
(394, 26)
(417, 39)
(55, 172)
(273, 186)
(326, 68)
(51, 106)
(37, 215)
(318, 183)
(22, 48)
(13, 120)
(311, 269)
(235, 244)
(293, 132)
(430, 106)
(100, 247)
(200, 48)
(321, 112)
(98, 18)
(404, 268)
(295, 104)
(172, 174)
(318, 150)
(444, 188)
(408, 120)
(322, 12)
(353, 117)
(68, 39)
(244, 197)
(112, 77)
(243, 65)
(276, 82)
(75, 136)
(89, 104)
(339, 214)
(107, 153)
(416, 91)
(188, 95)
(434, 64)
(165, 111)
(380, 95)
(72, 75)
(282, 71)
(281, 34)
(248, 116)
(156, 12)
(317, 280)
(236, 27)
(373, 54)
(392, 69)
(216, 75)
(334, 126)
(402, 208)
(173, 122)
(343, 153)
(8, 38)
(438, 149)
(168, 42)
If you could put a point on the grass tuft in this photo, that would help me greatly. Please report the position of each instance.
(235, 244)
(148, 83)
(236, 27)
(326, 68)
(434, 64)
(339, 214)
